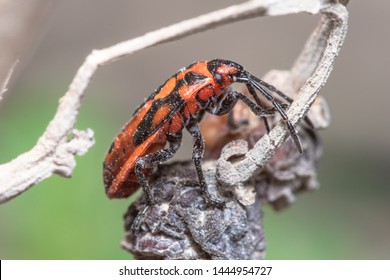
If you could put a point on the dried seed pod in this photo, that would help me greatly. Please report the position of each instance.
(182, 226)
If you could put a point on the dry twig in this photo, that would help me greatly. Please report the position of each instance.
(3, 87)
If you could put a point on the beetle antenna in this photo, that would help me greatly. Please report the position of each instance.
(281, 94)
(256, 83)
(252, 91)
(271, 88)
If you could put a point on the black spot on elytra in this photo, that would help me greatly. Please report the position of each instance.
(192, 78)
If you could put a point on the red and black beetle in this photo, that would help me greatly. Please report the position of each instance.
(181, 103)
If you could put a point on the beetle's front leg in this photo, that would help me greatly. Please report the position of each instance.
(197, 155)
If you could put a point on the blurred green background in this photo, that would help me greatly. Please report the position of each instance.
(347, 218)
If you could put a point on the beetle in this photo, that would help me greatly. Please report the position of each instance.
(181, 103)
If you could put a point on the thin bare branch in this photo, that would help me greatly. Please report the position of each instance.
(21, 24)
(3, 87)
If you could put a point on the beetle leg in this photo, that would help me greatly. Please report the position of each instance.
(225, 104)
(154, 159)
(252, 91)
(197, 155)
(231, 98)
(279, 108)
(137, 220)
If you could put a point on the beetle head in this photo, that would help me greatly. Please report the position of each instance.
(225, 72)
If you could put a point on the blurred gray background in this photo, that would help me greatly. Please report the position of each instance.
(347, 218)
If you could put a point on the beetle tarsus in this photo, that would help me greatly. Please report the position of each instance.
(212, 201)
(136, 225)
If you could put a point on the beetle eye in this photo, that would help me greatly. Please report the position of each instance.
(218, 78)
